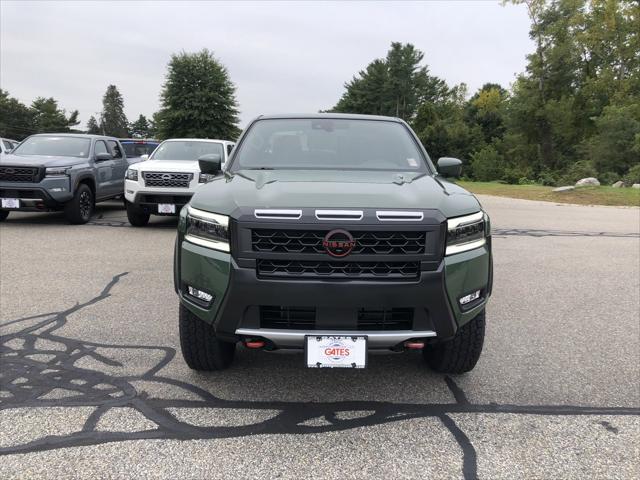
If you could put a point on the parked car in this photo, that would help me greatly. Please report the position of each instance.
(335, 235)
(164, 183)
(56, 171)
(6, 145)
(138, 149)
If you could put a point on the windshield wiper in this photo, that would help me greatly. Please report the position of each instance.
(259, 168)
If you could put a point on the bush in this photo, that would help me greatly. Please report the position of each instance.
(514, 174)
(608, 178)
(633, 175)
(547, 178)
(487, 164)
(576, 171)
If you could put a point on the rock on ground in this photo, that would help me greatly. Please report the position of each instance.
(588, 182)
(564, 189)
(618, 184)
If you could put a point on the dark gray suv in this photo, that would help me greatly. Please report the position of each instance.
(69, 172)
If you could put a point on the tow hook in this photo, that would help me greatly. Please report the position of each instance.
(254, 343)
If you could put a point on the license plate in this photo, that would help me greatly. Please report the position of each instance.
(166, 208)
(324, 351)
(10, 203)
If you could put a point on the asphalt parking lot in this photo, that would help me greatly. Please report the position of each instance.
(93, 384)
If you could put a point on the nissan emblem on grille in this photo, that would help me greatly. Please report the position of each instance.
(338, 243)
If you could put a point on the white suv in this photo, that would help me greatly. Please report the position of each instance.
(165, 182)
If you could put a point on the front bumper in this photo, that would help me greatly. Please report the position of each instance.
(149, 199)
(238, 295)
(49, 194)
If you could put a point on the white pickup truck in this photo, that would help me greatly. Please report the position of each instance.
(165, 182)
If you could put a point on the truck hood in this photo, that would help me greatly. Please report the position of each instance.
(168, 166)
(333, 189)
(41, 161)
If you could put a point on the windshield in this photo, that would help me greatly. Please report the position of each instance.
(55, 146)
(138, 149)
(186, 150)
(337, 144)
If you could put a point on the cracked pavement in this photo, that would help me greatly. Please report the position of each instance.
(92, 382)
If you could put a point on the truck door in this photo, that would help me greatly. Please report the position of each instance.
(119, 167)
(104, 169)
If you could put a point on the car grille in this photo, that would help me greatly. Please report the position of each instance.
(310, 241)
(320, 269)
(304, 318)
(20, 174)
(4, 193)
(288, 317)
(167, 179)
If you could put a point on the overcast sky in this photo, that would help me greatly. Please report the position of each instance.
(282, 57)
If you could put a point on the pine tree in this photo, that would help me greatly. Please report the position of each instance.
(49, 118)
(141, 128)
(197, 99)
(114, 121)
(93, 127)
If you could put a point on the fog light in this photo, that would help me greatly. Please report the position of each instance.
(199, 294)
(470, 298)
(58, 189)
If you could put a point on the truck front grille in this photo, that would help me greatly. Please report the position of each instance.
(304, 318)
(167, 179)
(310, 241)
(354, 270)
(19, 174)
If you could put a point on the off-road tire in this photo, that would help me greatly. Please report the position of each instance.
(201, 349)
(3, 215)
(461, 353)
(136, 216)
(79, 209)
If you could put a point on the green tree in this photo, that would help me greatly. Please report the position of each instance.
(613, 147)
(114, 121)
(48, 117)
(197, 99)
(141, 128)
(93, 127)
(394, 86)
(16, 119)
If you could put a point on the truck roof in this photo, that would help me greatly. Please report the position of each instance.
(80, 135)
(197, 140)
(345, 116)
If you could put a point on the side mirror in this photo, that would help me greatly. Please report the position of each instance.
(144, 158)
(102, 156)
(450, 167)
(210, 164)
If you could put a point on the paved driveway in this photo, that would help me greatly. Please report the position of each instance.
(93, 383)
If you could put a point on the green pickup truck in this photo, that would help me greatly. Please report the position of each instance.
(332, 234)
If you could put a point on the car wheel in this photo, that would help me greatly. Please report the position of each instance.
(79, 209)
(201, 349)
(136, 216)
(460, 353)
(3, 215)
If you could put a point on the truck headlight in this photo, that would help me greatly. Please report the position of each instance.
(466, 233)
(132, 174)
(207, 229)
(57, 171)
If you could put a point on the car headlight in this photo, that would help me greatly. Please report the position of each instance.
(466, 233)
(132, 174)
(57, 171)
(207, 229)
(205, 177)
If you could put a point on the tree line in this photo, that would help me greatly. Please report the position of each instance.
(573, 113)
